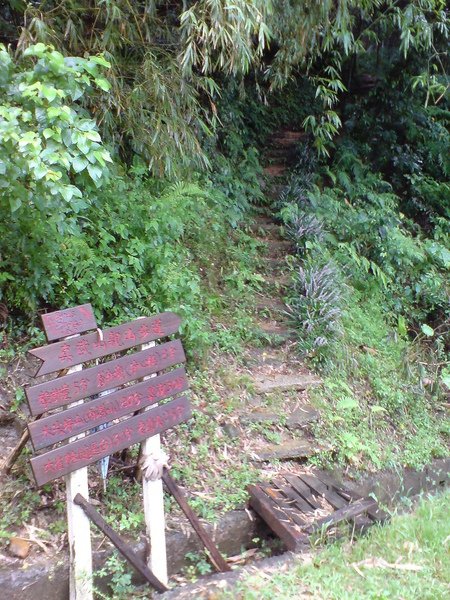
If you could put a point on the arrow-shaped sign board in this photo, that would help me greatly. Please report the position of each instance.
(84, 348)
(92, 448)
(83, 417)
(76, 386)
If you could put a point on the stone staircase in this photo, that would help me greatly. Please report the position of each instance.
(281, 382)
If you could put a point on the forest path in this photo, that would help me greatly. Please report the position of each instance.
(280, 407)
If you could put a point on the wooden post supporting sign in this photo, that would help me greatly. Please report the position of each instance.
(153, 498)
(78, 530)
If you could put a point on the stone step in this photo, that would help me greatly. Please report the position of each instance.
(271, 305)
(274, 264)
(302, 416)
(279, 282)
(293, 449)
(276, 328)
(282, 247)
(283, 152)
(287, 137)
(268, 232)
(275, 170)
(265, 384)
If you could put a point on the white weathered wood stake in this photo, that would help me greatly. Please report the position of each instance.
(153, 499)
(78, 529)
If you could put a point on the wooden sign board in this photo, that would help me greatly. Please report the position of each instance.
(70, 321)
(102, 426)
(92, 448)
(80, 418)
(84, 348)
(107, 407)
(76, 386)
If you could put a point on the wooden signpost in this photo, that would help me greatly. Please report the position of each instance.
(103, 409)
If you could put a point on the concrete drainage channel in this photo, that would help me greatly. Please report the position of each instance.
(233, 532)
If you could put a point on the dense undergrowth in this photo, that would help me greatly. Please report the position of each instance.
(370, 288)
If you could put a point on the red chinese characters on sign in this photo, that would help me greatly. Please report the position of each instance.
(97, 379)
(63, 323)
(80, 453)
(80, 418)
(54, 397)
(74, 351)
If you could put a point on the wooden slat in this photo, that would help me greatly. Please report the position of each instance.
(343, 514)
(376, 514)
(285, 504)
(92, 448)
(290, 499)
(71, 422)
(121, 546)
(320, 488)
(265, 508)
(70, 321)
(68, 353)
(68, 389)
(301, 503)
(303, 490)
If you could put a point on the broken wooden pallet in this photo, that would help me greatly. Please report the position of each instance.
(293, 506)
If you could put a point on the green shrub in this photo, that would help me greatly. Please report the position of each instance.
(51, 158)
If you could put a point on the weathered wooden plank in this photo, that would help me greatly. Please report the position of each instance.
(321, 489)
(217, 559)
(121, 546)
(69, 321)
(303, 490)
(376, 514)
(265, 508)
(67, 389)
(294, 501)
(343, 514)
(92, 448)
(71, 422)
(301, 503)
(286, 504)
(68, 353)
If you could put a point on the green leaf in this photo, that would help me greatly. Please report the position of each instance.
(95, 173)
(48, 92)
(40, 172)
(99, 60)
(427, 330)
(401, 326)
(79, 164)
(103, 84)
(94, 136)
(53, 112)
(14, 203)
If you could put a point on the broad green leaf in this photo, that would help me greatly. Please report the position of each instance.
(79, 164)
(99, 60)
(14, 203)
(94, 136)
(48, 92)
(103, 84)
(427, 330)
